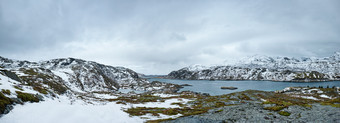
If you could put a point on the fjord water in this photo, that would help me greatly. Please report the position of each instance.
(214, 87)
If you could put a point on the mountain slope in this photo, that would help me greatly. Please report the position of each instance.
(267, 68)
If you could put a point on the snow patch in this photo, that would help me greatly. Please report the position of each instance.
(325, 96)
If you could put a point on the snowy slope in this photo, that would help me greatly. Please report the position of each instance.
(260, 67)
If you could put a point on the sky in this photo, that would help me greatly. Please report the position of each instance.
(157, 37)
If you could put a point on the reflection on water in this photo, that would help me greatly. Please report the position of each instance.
(214, 87)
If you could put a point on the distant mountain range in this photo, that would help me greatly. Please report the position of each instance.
(260, 67)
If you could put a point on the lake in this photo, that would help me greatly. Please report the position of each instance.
(214, 87)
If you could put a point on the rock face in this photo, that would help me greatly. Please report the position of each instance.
(74, 74)
(267, 68)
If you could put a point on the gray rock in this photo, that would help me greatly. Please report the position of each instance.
(254, 112)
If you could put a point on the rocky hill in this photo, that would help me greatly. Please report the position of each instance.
(267, 68)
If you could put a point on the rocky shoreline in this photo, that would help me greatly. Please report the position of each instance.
(293, 104)
(254, 112)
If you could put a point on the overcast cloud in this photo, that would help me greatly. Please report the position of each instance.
(156, 37)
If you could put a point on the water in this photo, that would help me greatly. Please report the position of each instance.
(214, 87)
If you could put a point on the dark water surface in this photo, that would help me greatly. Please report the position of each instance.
(214, 87)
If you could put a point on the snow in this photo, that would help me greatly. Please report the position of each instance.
(164, 95)
(63, 74)
(317, 91)
(161, 116)
(287, 89)
(309, 97)
(105, 96)
(8, 83)
(197, 67)
(325, 96)
(62, 110)
(130, 90)
(53, 111)
(165, 104)
(270, 68)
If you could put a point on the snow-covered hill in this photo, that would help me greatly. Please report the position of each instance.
(261, 67)
(75, 74)
(68, 78)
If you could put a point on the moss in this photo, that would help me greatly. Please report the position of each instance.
(331, 104)
(119, 102)
(17, 87)
(6, 91)
(219, 111)
(27, 97)
(179, 104)
(306, 105)
(284, 113)
(4, 102)
(187, 96)
(155, 114)
(58, 88)
(219, 104)
(138, 111)
(171, 111)
(211, 99)
(284, 100)
(332, 92)
(137, 99)
(334, 102)
(275, 108)
(40, 90)
(243, 97)
(29, 71)
(34, 77)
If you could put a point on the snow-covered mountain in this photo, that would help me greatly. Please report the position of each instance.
(260, 67)
(74, 74)
(69, 79)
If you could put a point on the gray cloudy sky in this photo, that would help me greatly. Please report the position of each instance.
(156, 37)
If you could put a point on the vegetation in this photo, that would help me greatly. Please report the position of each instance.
(275, 108)
(284, 113)
(6, 91)
(138, 111)
(203, 103)
(334, 102)
(40, 90)
(137, 99)
(35, 79)
(25, 97)
(17, 87)
(4, 102)
(179, 104)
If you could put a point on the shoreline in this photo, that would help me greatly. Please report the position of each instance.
(245, 80)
